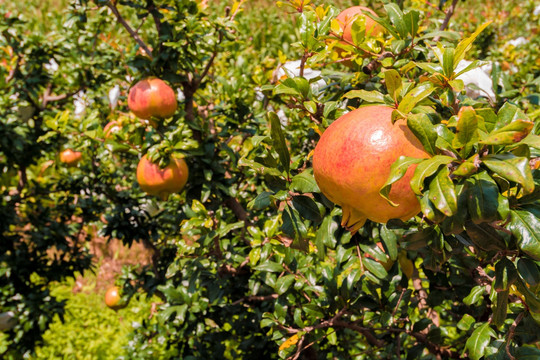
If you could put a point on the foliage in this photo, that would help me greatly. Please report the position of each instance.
(250, 260)
(106, 332)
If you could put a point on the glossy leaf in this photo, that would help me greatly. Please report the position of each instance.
(368, 96)
(505, 275)
(397, 171)
(414, 96)
(427, 168)
(466, 131)
(478, 341)
(466, 44)
(304, 182)
(526, 229)
(442, 192)
(512, 168)
(482, 198)
(393, 83)
(422, 128)
(500, 309)
(510, 134)
(529, 271)
(279, 141)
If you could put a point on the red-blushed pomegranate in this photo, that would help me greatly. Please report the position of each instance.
(152, 97)
(70, 157)
(352, 160)
(347, 17)
(113, 297)
(162, 182)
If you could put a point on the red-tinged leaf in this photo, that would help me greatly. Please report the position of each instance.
(510, 134)
(512, 168)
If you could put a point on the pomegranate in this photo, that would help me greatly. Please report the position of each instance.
(162, 182)
(113, 297)
(352, 160)
(152, 97)
(347, 17)
(70, 158)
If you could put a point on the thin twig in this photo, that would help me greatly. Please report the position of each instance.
(132, 32)
(511, 332)
(255, 298)
(446, 20)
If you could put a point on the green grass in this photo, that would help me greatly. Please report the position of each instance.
(90, 330)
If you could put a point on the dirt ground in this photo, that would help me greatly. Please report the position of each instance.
(109, 258)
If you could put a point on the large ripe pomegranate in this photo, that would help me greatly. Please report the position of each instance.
(162, 182)
(152, 97)
(347, 17)
(70, 158)
(352, 161)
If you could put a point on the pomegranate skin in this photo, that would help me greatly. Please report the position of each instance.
(346, 19)
(152, 97)
(352, 160)
(161, 182)
(70, 157)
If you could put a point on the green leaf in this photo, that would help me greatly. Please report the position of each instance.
(500, 310)
(505, 275)
(306, 207)
(422, 128)
(393, 83)
(488, 119)
(414, 96)
(448, 62)
(375, 268)
(466, 44)
(484, 236)
(390, 240)
(478, 341)
(279, 141)
(466, 322)
(368, 96)
(532, 141)
(529, 271)
(269, 266)
(295, 228)
(397, 171)
(262, 201)
(429, 209)
(442, 192)
(466, 131)
(526, 229)
(507, 114)
(412, 22)
(475, 295)
(512, 133)
(512, 168)
(305, 182)
(427, 168)
(284, 283)
(396, 17)
(482, 198)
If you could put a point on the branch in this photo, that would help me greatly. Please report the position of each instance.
(255, 298)
(236, 208)
(372, 339)
(449, 14)
(511, 334)
(133, 34)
